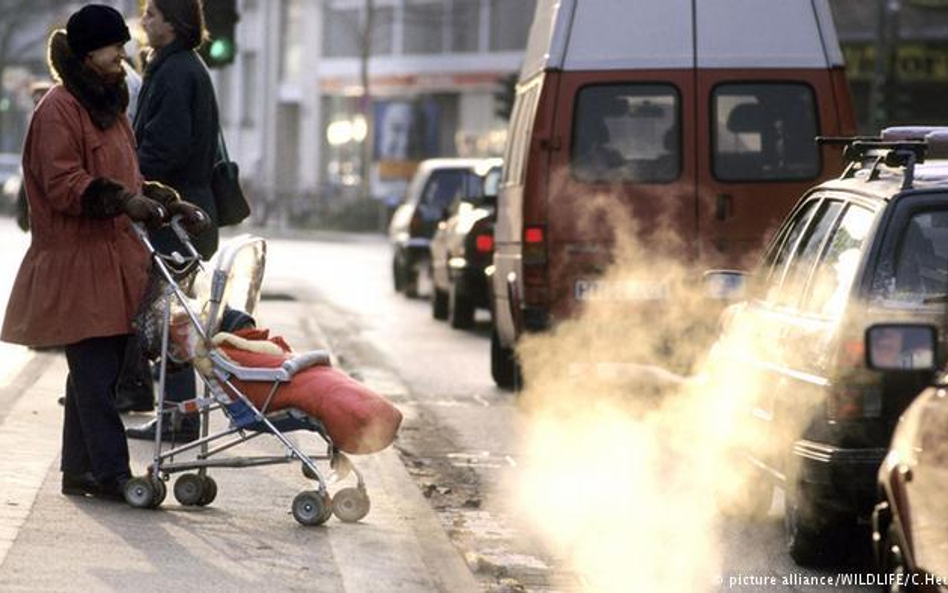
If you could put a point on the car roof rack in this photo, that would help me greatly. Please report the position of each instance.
(897, 147)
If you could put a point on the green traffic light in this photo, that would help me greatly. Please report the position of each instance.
(221, 50)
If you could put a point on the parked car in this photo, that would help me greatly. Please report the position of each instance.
(9, 179)
(435, 185)
(677, 114)
(461, 249)
(910, 522)
(814, 419)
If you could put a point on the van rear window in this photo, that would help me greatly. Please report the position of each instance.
(764, 132)
(627, 133)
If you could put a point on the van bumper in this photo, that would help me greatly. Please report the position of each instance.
(843, 479)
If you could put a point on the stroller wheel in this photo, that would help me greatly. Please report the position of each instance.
(209, 492)
(141, 493)
(309, 508)
(327, 507)
(189, 489)
(350, 504)
(161, 491)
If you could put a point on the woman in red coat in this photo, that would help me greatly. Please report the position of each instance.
(82, 279)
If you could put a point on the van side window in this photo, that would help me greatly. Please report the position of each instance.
(919, 269)
(764, 132)
(830, 286)
(788, 292)
(626, 133)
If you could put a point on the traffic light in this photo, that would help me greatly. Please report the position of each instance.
(220, 19)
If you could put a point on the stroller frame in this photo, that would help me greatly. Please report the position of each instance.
(247, 422)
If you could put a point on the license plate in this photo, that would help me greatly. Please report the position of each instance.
(626, 290)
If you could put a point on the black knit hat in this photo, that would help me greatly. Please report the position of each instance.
(94, 26)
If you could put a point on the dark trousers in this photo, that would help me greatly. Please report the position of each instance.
(93, 433)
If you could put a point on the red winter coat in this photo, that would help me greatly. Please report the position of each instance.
(82, 277)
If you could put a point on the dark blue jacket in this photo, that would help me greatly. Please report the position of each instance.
(176, 126)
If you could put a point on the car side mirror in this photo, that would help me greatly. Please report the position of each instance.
(725, 285)
(901, 347)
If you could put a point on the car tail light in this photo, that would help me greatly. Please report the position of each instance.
(416, 224)
(847, 400)
(484, 243)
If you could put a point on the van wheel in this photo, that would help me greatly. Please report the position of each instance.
(460, 309)
(439, 304)
(809, 537)
(503, 363)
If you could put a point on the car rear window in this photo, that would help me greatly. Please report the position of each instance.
(764, 132)
(627, 133)
(919, 269)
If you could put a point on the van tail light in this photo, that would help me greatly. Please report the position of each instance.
(534, 259)
(850, 400)
(484, 243)
(534, 245)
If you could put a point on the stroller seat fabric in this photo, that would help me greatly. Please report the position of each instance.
(358, 420)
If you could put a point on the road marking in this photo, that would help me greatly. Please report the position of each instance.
(30, 438)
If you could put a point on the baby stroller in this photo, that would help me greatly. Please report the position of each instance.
(235, 283)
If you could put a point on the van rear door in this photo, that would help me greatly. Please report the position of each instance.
(621, 165)
(765, 99)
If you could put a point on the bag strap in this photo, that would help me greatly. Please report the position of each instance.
(221, 145)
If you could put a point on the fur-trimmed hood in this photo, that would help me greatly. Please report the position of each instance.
(104, 100)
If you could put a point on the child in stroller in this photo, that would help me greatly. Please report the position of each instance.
(257, 382)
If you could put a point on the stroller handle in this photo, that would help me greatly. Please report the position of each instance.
(177, 227)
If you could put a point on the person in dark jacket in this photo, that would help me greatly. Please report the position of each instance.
(82, 279)
(176, 124)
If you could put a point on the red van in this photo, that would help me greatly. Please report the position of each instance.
(694, 115)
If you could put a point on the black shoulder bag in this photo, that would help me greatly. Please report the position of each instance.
(232, 207)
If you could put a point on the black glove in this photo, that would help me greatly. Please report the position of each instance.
(145, 210)
(194, 220)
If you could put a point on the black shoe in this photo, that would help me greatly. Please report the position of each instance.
(130, 405)
(85, 484)
(80, 485)
(187, 433)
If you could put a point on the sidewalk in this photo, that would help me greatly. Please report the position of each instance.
(246, 540)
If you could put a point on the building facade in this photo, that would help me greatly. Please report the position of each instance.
(292, 102)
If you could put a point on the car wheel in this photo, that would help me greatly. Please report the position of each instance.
(411, 283)
(398, 275)
(439, 304)
(503, 363)
(460, 309)
(809, 539)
